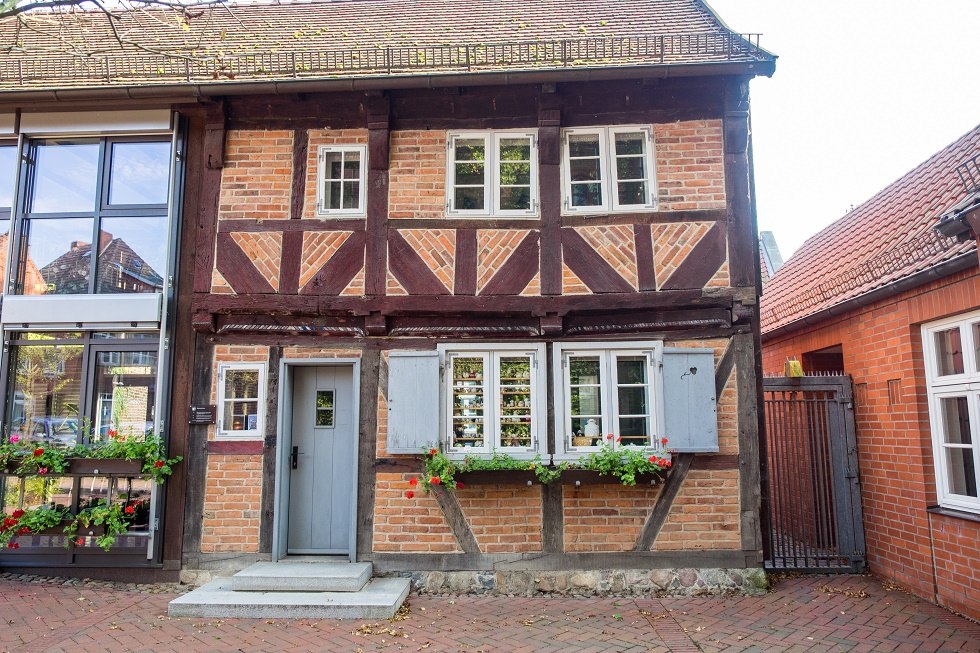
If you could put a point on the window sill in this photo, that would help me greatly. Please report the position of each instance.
(954, 513)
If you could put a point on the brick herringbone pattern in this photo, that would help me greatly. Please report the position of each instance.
(219, 285)
(394, 287)
(805, 615)
(356, 286)
(265, 251)
(318, 248)
(571, 284)
(615, 244)
(721, 278)
(533, 287)
(494, 247)
(437, 248)
(671, 245)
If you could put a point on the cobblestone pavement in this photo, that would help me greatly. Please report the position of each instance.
(815, 613)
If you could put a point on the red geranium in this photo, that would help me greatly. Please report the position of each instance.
(80, 541)
(667, 463)
(413, 481)
(459, 485)
(158, 464)
(129, 510)
(609, 436)
(9, 522)
(663, 441)
(409, 494)
(435, 480)
(23, 530)
(38, 452)
(17, 514)
(433, 452)
(654, 460)
(42, 470)
(13, 545)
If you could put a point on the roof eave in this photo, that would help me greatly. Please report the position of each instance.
(764, 67)
(959, 263)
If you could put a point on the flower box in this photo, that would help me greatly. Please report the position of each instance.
(497, 477)
(592, 477)
(96, 466)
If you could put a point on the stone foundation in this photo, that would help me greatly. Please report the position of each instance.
(605, 582)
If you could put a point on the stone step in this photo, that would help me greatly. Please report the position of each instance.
(379, 599)
(290, 576)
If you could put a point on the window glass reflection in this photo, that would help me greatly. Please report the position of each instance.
(8, 164)
(125, 392)
(59, 257)
(65, 177)
(132, 255)
(139, 173)
(46, 393)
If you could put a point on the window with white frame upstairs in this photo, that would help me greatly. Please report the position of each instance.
(492, 173)
(341, 181)
(608, 169)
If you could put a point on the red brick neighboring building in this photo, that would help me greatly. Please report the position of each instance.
(885, 298)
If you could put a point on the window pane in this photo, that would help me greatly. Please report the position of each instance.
(352, 194)
(4, 236)
(633, 167)
(630, 143)
(585, 169)
(515, 401)
(241, 384)
(586, 195)
(469, 174)
(956, 420)
(961, 471)
(976, 345)
(132, 255)
(583, 145)
(241, 416)
(65, 177)
(515, 199)
(515, 174)
(632, 192)
(583, 370)
(125, 392)
(633, 400)
(8, 166)
(352, 165)
(515, 149)
(470, 149)
(45, 393)
(332, 191)
(949, 352)
(139, 173)
(125, 335)
(586, 400)
(634, 431)
(324, 408)
(467, 401)
(631, 369)
(59, 256)
(469, 199)
(586, 431)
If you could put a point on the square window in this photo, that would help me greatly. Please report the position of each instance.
(608, 169)
(492, 174)
(324, 409)
(241, 401)
(341, 184)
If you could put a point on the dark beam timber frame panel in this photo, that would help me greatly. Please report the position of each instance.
(376, 259)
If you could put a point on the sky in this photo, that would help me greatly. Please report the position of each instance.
(864, 91)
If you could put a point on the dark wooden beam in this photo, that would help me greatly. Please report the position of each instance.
(237, 268)
(748, 439)
(373, 375)
(646, 272)
(743, 254)
(456, 520)
(195, 463)
(514, 275)
(286, 226)
(590, 266)
(376, 259)
(723, 370)
(269, 445)
(549, 182)
(206, 209)
(466, 257)
(655, 520)
(652, 217)
(552, 518)
(291, 255)
(337, 273)
(214, 136)
(409, 268)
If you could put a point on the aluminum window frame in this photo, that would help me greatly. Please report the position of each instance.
(938, 388)
(321, 180)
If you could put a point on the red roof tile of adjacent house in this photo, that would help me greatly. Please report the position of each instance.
(886, 239)
(351, 38)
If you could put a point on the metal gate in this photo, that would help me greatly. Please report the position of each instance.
(812, 497)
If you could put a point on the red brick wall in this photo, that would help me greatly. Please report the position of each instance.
(690, 165)
(605, 517)
(232, 500)
(936, 557)
(405, 524)
(503, 519)
(705, 514)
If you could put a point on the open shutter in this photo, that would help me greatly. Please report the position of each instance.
(413, 401)
(690, 405)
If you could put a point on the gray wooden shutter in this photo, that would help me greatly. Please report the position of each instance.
(690, 405)
(413, 401)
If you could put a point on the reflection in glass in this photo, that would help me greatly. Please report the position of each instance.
(585, 169)
(470, 174)
(125, 391)
(65, 177)
(8, 164)
(4, 239)
(515, 401)
(632, 405)
(241, 400)
(132, 255)
(59, 257)
(46, 393)
(469, 199)
(341, 180)
(631, 172)
(585, 400)
(962, 471)
(139, 173)
(949, 352)
(956, 420)
(324, 408)
(515, 174)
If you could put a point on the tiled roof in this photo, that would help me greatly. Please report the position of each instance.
(886, 239)
(351, 38)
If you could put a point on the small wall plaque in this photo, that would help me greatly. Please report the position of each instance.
(202, 414)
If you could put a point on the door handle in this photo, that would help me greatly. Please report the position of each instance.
(294, 458)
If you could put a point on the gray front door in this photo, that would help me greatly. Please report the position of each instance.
(322, 463)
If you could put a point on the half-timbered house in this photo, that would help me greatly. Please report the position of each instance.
(481, 228)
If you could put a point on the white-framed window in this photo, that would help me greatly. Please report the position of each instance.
(493, 399)
(608, 169)
(241, 401)
(492, 173)
(341, 180)
(607, 393)
(951, 348)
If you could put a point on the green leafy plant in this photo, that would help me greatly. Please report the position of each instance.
(439, 470)
(27, 522)
(625, 463)
(41, 461)
(114, 518)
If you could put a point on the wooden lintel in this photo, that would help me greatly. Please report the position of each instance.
(376, 324)
(214, 136)
(551, 324)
